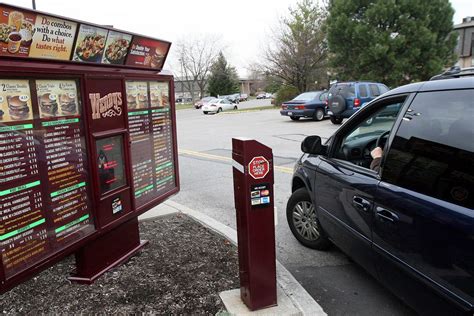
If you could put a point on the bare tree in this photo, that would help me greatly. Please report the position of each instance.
(298, 54)
(196, 55)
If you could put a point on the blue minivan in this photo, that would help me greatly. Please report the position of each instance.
(410, 224)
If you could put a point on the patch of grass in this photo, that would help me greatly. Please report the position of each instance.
(184, 106)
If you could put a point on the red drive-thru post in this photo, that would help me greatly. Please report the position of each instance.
(253, 195)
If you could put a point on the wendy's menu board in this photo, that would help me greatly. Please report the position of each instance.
(43, 174)
(25, 33)
(150, 130)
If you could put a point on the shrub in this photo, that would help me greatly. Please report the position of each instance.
(285, 93)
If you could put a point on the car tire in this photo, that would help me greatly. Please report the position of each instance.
(304, 224)
(235, 107)
(336, 120)
(205, 112)
(219, 110)
(294, 118)
(318, 115)
(337, 104)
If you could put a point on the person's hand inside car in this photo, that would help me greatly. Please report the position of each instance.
(376, 152)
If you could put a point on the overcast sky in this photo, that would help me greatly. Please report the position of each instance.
(243, 25)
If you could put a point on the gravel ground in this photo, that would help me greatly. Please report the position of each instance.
(181, 271)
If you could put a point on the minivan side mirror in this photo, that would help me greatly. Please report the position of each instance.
(312, 145)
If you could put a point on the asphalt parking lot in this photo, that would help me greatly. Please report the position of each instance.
(204, 141)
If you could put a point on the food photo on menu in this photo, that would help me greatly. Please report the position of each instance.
(57, 98)
(16, 32)
(116, 48)
(142, 96)
(147, 53)
(15, 101)
(90, 44)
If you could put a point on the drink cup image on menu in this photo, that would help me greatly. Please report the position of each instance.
(16, 32)
(48, 105)
(18, 107)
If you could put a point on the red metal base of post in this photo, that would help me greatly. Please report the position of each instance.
(107, 252)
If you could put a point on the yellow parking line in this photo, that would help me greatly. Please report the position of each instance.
(222, 158)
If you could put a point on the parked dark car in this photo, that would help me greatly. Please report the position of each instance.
(261, 96)
(410, 224)
(345, 98)
(310, 104)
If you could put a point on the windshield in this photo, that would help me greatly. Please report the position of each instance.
(306, 96)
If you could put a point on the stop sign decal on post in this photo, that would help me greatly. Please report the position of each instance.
(259, 167)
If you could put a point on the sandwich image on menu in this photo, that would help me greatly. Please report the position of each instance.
(68, 104)
(155, 99)
(142, 101)
(18, 108)
(131, 101)
(48, 105)
(15, 101)
(57, 98)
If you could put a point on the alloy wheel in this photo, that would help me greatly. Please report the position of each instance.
(305, 221)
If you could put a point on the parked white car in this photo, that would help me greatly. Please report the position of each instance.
(218, 105)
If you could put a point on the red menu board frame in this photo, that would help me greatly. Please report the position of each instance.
(114, 213)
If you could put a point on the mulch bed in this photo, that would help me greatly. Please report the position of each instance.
(181, 271)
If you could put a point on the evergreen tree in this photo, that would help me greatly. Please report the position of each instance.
(223, 79)
(391, 41)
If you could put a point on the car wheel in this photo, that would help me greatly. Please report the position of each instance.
(219, 110)
(205, 112)
(294, 118)
(303, 221)
(235, 107)
(318, 115)
(336, 120)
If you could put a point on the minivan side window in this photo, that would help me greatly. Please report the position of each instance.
(433, 150)
(363, 91)
(374, 90)
(383, 88)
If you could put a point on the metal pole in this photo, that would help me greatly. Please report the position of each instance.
(34, 4)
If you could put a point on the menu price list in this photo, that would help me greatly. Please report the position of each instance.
(142, 166)
(18, 159)
(163, 150)
(150, 129)
(67, 200)
(43, 191)
(23, 230)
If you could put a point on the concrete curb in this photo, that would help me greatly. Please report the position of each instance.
(292, 288)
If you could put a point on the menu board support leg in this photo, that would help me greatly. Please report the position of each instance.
(107, 251)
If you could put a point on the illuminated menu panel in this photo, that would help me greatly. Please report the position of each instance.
(150, 131)
(43, 178)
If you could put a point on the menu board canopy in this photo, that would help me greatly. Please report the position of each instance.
(26, 33)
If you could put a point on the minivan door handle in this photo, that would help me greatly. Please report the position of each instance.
(386, 215)
(361, 203)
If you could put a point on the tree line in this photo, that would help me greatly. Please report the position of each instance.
(394, 42)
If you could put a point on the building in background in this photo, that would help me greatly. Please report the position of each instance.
(465, 46)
